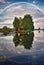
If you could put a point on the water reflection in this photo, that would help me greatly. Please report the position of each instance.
(27, 49)
(26, 40)
(39, 31)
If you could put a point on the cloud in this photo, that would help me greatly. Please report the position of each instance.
(20, 11)
(13, 9)
(39, 19)
(39, 23)
(7, 23)
(0, 10)
(34, 2)
(43, 10)
(2, 1)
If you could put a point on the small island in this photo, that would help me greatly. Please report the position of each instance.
(20, 25)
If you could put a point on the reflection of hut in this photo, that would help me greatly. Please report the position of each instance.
(21, 30)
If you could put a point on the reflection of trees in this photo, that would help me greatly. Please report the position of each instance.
(25, 40)
(16, 40)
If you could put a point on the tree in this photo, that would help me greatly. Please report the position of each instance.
(16, 23)
(23, 24)
(27, 23)
(43, 28)
(38, 28)
(5, 30)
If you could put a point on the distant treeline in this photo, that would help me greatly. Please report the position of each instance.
(39, 29)
(5, 30)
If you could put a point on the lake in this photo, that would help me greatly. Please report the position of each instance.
(27, 49)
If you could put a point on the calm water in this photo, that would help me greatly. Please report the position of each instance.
(22, 50)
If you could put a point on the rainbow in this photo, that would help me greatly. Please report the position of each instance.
(22, 3)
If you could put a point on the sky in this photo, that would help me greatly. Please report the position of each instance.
(8, 11)
(4, 3)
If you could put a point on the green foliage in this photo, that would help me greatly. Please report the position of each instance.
(38, 28)
(26, 40)
(26, 23)
(5, 30)
(16, 40)
(16, 23)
